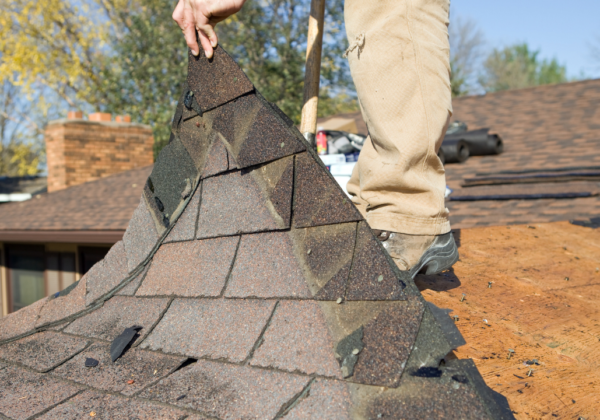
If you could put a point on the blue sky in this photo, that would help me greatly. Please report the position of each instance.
(559, 29)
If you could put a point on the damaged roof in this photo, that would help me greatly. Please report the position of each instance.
(246, 286)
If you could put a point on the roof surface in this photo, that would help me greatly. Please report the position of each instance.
(545, 127)
(250, 287)
(104, 204)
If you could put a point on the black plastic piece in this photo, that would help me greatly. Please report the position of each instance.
(122, 342)
(89, 362)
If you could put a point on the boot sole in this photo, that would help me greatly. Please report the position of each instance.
(440, 256)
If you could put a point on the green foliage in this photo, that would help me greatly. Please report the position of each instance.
(129, 57)
(268, 39)
(144, 72)
(519, 67)
(21, 144)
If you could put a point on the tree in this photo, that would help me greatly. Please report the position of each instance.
(268, 39)
(466, 52)
(519, 67)
(20, 134)
(128, 56)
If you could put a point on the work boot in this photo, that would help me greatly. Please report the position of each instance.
(427, 254)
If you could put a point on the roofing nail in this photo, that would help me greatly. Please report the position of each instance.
(510, 353)
(530, 372)
(566, 278)
(490, 284)
(463, 297)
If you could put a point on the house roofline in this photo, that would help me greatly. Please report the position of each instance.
(108, 237)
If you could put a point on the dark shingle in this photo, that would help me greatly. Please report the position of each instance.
(135, 365)
(109, 407)
(216, 81)
(372, 277)
(25, 394)
(118, 313)
(140, 237)
(228, 391)
(42, 351)
(318, 199)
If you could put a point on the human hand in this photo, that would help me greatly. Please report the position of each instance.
(202, 16)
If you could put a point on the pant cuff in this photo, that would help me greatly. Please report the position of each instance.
(409, 224)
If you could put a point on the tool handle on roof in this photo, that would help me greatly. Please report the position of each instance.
(314, 46)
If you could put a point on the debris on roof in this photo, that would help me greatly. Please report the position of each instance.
(247, 286)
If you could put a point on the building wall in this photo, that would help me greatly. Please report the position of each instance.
(79, 150)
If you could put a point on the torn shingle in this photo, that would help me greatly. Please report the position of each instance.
(121, 342)
(216, 81)
(372, 277)
(65, 306)
(318, 199)
(119, 312)
(108, 275)
(140, 236)
(228, 391)
(171, 174)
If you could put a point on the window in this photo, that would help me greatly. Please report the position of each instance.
(26, 275)
(34, 274)
(90, 256)
(60, 271)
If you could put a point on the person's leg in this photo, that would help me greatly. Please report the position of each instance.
(399, 59)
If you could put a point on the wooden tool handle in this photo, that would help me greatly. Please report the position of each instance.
(314, 46)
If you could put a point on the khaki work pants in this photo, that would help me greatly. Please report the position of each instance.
(399, 59)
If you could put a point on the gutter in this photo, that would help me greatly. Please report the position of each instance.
(63, 236)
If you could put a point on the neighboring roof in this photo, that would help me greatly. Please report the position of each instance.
(22, 184)
(545, 127)
(94, 212)
(21, 188)
(246, 286)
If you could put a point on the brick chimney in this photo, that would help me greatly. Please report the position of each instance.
(79, 150)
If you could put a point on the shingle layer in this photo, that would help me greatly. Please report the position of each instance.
(255, 288)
